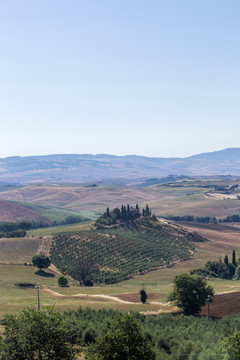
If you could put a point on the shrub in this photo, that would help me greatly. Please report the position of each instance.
(62, 281)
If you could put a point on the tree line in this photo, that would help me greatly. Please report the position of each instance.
(20, 228)
(223, 269)
(203, 219)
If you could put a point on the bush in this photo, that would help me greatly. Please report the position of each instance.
(62, 281)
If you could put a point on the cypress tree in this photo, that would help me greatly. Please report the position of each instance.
(234, 258)
(128, 212)
(226, 260)
(122, 211)
(108, 212)
(137, 207)
(143, 296)
(147, 210)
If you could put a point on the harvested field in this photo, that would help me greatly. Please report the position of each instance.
(13, 212)
(224, 304)
(18, 250)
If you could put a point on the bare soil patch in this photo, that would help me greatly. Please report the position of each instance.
(13, 212)
(224, 304)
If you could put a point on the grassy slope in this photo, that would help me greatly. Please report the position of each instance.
(55, 214)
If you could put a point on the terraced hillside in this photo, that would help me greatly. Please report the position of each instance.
(117, 253)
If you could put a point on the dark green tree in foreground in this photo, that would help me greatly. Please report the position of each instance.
(41, 261)
(124, 340)
(190, 293)
(231, 346)
(37, 334)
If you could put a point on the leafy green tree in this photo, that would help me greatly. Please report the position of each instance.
(190, 293)
(231, 346)
(237, 273)
(41, 261)
(62, 281)
(83, 269)
(124, 340)
(37, 334)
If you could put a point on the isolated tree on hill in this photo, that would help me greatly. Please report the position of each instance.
(123, 340)
(41, 261)
(226, 260)
(190, 293)
(143, 296)
(234, 258)
(83, 269)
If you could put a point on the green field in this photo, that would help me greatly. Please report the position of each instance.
(51, 230)
(56, 214)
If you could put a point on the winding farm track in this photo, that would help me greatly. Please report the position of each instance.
(163, 308)
(107, 297)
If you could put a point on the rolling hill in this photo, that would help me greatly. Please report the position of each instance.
(117, 253)
(87, 167)
(14, 212)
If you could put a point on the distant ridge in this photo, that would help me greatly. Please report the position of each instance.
(87, 168)
(226, 154)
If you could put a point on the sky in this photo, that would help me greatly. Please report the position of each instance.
(154, 78)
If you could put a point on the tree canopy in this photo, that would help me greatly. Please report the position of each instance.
(37, 334)
(231, 346)
(124, 339)
(190, 293)
(41, 261)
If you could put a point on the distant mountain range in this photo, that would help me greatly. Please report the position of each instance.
(90, 168)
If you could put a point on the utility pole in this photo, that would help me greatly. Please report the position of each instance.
(38, 286)
(209, 299)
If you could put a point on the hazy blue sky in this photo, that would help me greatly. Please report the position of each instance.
(154, 78)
